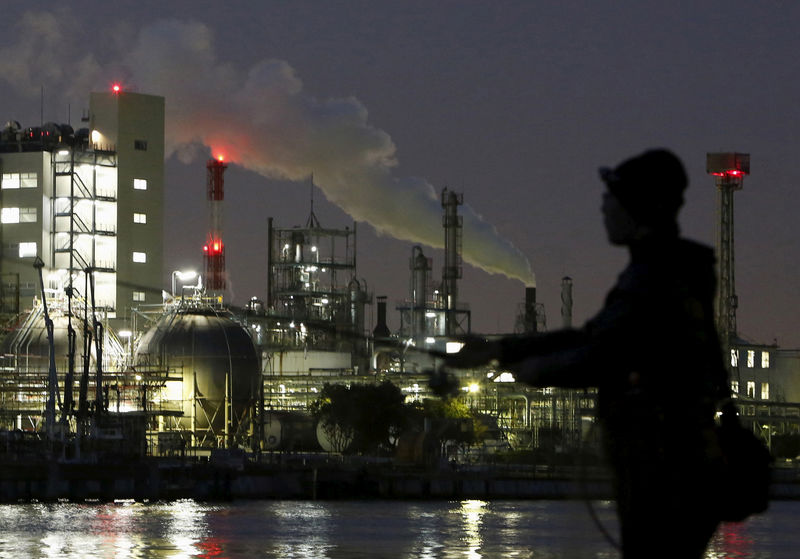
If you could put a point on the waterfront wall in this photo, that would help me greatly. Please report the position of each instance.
(163, 480)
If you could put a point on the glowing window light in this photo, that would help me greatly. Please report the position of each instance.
(453, 347)
(27, 250)
(9, 215)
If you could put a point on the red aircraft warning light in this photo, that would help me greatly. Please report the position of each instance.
(730, 165)
(116, 88)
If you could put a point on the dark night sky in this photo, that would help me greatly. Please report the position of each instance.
(515, 104)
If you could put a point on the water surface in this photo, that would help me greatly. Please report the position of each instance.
(353, 529)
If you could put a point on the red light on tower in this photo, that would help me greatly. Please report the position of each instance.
(116, 88)
(728, 165)
(214, 249)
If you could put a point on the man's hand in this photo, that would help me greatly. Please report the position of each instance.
(443, 383)
(475, 352)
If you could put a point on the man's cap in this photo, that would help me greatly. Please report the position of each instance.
(650, 185)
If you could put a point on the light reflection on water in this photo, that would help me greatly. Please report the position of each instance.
(343, 529)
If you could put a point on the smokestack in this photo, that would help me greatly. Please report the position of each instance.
(270, 257)
(452, 257)
(381, 329)
(214, 249)
(530, 310)
(566, 301)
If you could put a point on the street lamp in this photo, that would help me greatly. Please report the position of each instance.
(183, 275)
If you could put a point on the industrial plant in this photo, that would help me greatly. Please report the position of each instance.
(100, 360)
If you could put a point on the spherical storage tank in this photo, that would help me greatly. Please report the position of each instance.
(205, 348)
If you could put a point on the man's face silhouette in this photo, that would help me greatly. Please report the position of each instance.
(620, 226)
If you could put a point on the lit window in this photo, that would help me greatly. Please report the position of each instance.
(751, 389)
(140, 257)
(139, 218)
(27, 215)
(26, 250)
(735, 386)
(9, 215)
(765, 391)
(138, 296)
(765, 360)
(28, 180)
(10, 180)
(140, 184)
(751, 358)
(734, 358)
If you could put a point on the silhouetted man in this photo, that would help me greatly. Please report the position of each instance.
(654, 355)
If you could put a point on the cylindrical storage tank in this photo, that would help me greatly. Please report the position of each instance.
(332, 438)
(208, 351)
(290, 430)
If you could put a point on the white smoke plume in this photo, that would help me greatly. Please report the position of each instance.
(262, 120)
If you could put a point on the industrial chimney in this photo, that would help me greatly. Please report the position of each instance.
(530, 310)
(214, 249)
(452, 258)
(381, 328)
(566, 301)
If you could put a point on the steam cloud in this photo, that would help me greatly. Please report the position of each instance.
(261, 120)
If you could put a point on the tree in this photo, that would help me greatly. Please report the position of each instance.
(365, 418)
(456, 422)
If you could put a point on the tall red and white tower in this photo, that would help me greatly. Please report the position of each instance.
(214, 249)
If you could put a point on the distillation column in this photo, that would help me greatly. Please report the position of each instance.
(420, 269)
